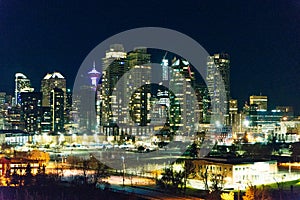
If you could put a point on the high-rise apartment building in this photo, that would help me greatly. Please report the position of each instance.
(22, 84)
(57, 109)
(31, 111)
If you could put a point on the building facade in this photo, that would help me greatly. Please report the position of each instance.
(31, 111)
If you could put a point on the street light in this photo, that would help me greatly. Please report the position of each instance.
(239, 182)
(246, 123)
(123, 159)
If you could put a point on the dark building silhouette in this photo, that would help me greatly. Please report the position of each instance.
(31, 111)
(57, 110)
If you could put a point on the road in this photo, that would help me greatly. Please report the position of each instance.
(149, 193)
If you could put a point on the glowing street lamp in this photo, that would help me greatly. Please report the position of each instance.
(61, 138)
(246, 123)
(123, 161)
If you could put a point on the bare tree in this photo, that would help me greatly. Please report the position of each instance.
(73, 161)
(101, 172)
(189, 171)
(204, 176)
(28, 177)
(85, 168)
(217, 182)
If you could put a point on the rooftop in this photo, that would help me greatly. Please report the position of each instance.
(234, 160)
(54, 75)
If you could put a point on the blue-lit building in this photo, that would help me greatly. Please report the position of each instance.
(263, 122)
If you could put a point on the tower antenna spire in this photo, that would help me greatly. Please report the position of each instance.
(94, 75)
(165, 55)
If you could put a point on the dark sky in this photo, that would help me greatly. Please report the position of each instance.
(261, 36)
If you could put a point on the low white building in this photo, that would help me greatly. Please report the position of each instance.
(238, 172)
(15, 137)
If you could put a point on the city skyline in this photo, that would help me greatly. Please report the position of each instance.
(157, 56)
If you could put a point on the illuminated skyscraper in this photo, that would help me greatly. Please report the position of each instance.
(183, 110)
(68, 107)
(165, 68)
(125, 91)
(113, 70)
(22, 84)
(163, 94)
(218, 83)
(51, 81)
(138, 61)
(57, 109)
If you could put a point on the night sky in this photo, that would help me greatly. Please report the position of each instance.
(261, 36)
